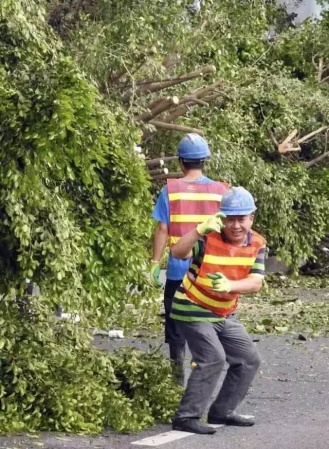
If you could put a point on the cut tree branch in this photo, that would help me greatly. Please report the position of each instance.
(160, 161)
(175, 113)
(207, 93)
(170, 158)
(288, 143)
(169, 175)
(174, 127)
(155, 162)
(191, 99)
(202, 91)
(159, 171)
(161, 107)
(155, 86)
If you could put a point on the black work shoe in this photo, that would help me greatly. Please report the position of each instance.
(192, 425)
(233, 420)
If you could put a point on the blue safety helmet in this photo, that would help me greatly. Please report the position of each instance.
(237, 201)
(193, 147)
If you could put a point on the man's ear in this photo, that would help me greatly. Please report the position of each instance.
(252, 216)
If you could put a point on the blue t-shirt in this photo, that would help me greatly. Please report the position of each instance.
(176, 268)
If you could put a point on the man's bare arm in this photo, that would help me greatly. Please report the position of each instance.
(159, 240)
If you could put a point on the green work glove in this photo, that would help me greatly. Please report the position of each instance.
(220, 283)
(212, 224)
(154, 274)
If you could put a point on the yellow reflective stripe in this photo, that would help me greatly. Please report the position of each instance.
(237, 261)
(188, 218)
(203, 281)
(205, 299)
(208, 283)
(174, 239)
(189, 196)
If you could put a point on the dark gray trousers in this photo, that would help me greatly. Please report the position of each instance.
(211, 344)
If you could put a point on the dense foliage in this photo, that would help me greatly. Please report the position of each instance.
(74, 197)
(74, 208)
(77, 82)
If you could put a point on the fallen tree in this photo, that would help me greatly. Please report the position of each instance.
(224, 75)
(74, 214)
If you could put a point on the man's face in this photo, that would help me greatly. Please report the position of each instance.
(237, 227)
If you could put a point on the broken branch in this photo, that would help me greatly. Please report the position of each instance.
(313, 133)
(286, 145)
(317, 160)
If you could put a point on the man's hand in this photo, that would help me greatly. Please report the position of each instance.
(154, 274)
(220, 283)
(212, 224)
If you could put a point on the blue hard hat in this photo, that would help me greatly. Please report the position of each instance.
(237, 201)
(193, 146)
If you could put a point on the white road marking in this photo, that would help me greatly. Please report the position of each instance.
(167, 437)
(162, 438)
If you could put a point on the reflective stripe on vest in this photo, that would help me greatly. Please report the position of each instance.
(234, 262)
(191, 203)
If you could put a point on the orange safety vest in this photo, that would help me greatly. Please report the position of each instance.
(234, 262)
(191, 203)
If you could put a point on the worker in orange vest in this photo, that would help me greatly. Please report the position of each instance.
(227, 260)
(181, 205)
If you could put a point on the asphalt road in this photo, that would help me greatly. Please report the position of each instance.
(289, 397)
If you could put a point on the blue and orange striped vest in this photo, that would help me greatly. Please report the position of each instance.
(191, 203)
(234, 262)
